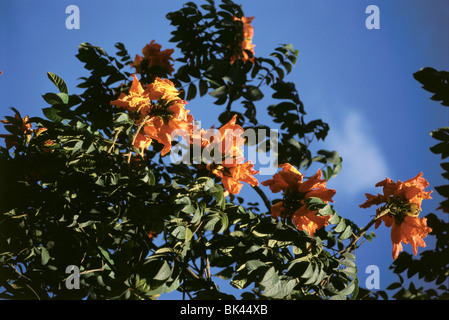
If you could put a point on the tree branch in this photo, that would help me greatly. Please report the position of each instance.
(115, 139)
(264, 197)
(364, 230)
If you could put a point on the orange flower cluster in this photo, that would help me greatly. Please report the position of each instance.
(248, 34)
(296, 191)
(227, 143)
(161, 112)
(153, 56)
(159, 118)
(401, 210)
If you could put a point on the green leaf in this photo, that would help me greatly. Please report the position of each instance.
(280, 289)
(182, 233)
(340, 226)
(203, 87)
(348, 263)
(348, 290)
(60, 84)
(191, 92)
(253, 93)
(270, 278)
(441, 148)
(314, 276)
(185, 201)
(347, 233)
(45, 256)
(350, 271)
(309, 272)
(334, 219)
(56, 98)
(212, 220)
(394, 285)
(122, 118)
(349, 255)
(252, 265)
(164, 272)
(443, 190)
(288, 66)
(441, 134)
(220, 92)
(52, 114)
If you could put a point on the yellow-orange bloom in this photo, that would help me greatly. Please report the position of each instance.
(229, 141)
(135, 100)
(411, 190)
(142, 141)
(402, 205)
(225, 147)
(232, 175)
(153, 56)
(161, 126)
(162, 89)
(296, 191)
(161, 117)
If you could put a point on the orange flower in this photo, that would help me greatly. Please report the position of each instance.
(296, 191)
(162, 117)
(137, 62)
(228, 142)
(162, 89)
(411, 190)
(232, 175)
(153, 56)
(248, 33)
(160, 127)
(200, 137)
(142, 141)
(225, 150)
(135, 100)
(152, 234)
(401, 210)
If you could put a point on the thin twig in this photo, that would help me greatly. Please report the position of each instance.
(115, 139)
(208, 273)
(192, 273)
(25, 277)
(264, 197)
(94, 270)
(364, 230)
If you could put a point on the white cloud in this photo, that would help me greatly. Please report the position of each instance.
(363, 162)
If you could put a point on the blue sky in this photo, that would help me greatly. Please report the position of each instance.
(358, 80)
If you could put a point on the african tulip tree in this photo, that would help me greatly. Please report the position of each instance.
(92, 184)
